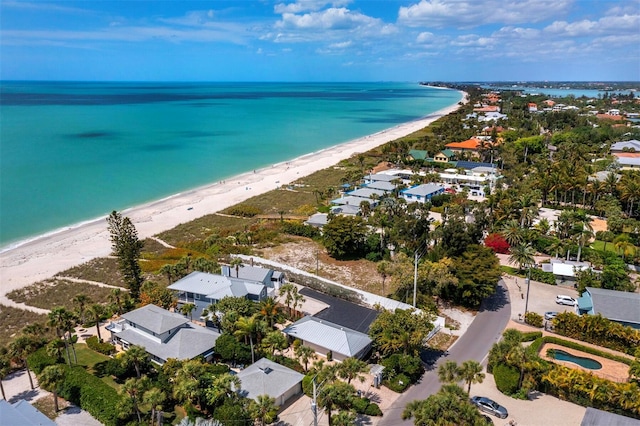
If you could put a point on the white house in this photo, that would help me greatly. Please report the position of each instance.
(163, 334)
(422, 193)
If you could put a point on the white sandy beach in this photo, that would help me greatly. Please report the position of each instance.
(44, 257)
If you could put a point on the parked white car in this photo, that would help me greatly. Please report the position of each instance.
(565, 300)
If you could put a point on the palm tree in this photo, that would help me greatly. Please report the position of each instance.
(50, 378)
(236, 263)
(449, 372)
(287, 290)
(471, 372)
(298, 300)
(187, 309)
(275, 340)
(263, 409)
(154, 397)
(522, 254)
(268, 310)
(352, 368)
(61, 319)
(247, 327)
(384, 269)
(336, 394)
(133, 389)
(5, 367)
(20, 349)
(81, 300)
(344, 418)
(96, 311)
(137, 356)
(222, 385)
(210, 313)
(512, 232)
(117, 296)
(305, 354)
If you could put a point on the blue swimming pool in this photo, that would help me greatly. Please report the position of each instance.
(589, 363)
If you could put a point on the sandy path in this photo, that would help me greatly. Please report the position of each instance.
(51, 254)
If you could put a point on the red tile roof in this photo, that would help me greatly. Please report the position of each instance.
(468, 144)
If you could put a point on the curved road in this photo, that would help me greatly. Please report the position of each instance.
(485, 330)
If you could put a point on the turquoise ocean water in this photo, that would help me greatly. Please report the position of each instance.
(71, 152)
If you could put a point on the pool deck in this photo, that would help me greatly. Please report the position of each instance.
(611, 370)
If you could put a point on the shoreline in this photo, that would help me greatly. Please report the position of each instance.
(42, 257)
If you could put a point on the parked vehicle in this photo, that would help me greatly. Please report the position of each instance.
(550, 315)
(490, 406)
(565, 300)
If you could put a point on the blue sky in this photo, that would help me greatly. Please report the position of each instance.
(313, 40)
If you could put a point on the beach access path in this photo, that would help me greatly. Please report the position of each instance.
(48, 255)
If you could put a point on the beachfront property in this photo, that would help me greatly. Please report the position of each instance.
(326, 337)
(620, 306)
(163, 334)
(202, 289)
(421, 193)
(265, 377)
(444, 156)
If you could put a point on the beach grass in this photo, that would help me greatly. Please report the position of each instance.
(103, 270)
(56, 292)
(14, 319)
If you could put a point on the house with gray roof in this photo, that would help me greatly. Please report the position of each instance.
(632, 145)
(379, 177)
(324, 337)
(595, 417)
(346, 209)
(23, 414)
(163, 334)
(422, 193)
(202, 289)
(317, 220)
(382, 186)
(268, 277)
(620, 306)
(265, 377)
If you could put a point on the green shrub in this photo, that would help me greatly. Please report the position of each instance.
(359, 405)
(39, 360)
(373, 410)
(300, 229)
(101, 347)
(91, 394)
(506, 378)
(542, 276)
(598, 330)
(534, 319)
(307, 385)
(398, 383)
(244, 210)
(409, 366)
(530, 336)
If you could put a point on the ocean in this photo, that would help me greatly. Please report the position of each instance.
(75, 151)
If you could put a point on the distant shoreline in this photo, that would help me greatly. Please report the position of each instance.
(42, 257)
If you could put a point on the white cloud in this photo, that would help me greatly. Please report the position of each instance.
(307, 6)
(425, 37)
(332, 18)
(341, 45)
(468, 14)
(194, 18)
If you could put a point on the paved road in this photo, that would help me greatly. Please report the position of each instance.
(484, 331)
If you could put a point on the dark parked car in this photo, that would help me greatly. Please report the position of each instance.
(490, 406)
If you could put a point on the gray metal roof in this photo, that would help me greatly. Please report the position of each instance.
(155, 318)
(367, 193)
(616, 305)
(349, 200)
(628, 161)
(632, 144)
(265, 377)
(424, 189)
(252, 273)
(381, 185)
(333, 337)
(318, 219)
(595, 417)
(345, 209)
(188, 342)
(217, 286)
(380, 177)
(23, 414)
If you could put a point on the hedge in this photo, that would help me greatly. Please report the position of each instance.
(530, 336)
(397, 383)
(39, 360)
(105, 348)
(542, 276)
(506, 378)
(91, 394)
(534, 319)
(598, 330)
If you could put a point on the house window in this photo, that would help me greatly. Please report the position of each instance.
(197, 297)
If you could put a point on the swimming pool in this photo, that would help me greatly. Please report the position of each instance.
(588, 363)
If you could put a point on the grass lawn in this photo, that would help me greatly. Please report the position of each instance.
(51, 293)
(91, 360)
(511, 271)
(599, 246)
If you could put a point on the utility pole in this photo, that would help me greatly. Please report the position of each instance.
(526, 303)
(415, 278)
(314, 404)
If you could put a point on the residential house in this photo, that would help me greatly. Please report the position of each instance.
(270, 278)
(418, 154)
(163, 334)
(475, 179)
(627, 153)
(533, 107)
(387, 187)
(326, 337)
(443, 156)
(21, 413)
(492, 116)
(379, 177)
(610, 117)
(317, 220)
(470, 146)
(487, 108)
(595, 417)
(265, 377)
(620, 306)
(564, 270)
(421, 193)
(202, 289)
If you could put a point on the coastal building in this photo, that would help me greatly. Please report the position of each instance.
(627, 153)
(23, 414)
(422, 193)
(443, 156)
(418, 154)
(270, 278)
(265, 377)
(533, 107)
(564, 270)
(620, 306)
(382, 186)
(469, 146)
(317, 220)
(492, 116)
(163, 334)
(475, 179)
(326, 337)
(202, 289)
